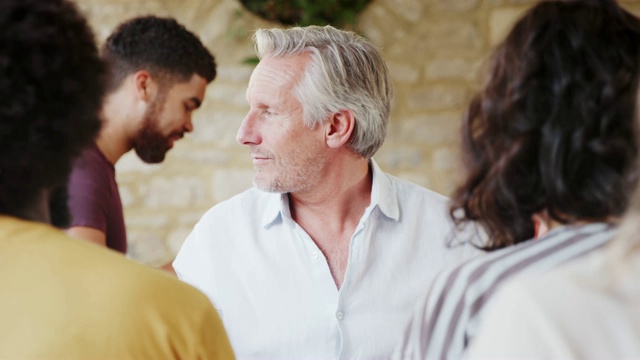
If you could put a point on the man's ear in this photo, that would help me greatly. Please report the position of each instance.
(146, 87)
(339, 128)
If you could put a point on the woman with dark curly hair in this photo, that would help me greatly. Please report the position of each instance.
(63, 298)
(547, 144)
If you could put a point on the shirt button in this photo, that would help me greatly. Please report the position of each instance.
(340, 315)
(314, 255)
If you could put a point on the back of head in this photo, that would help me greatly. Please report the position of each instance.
(159, 45)
(346, 72)
(553, 127)
(51, 87)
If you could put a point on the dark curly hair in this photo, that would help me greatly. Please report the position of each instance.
(51, 89)
(159, 45)
(553, 128)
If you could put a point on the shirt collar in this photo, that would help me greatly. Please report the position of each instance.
(383, 195)
(277, 205)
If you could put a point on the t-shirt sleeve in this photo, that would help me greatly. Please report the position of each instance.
(88, 197)
(213, 340)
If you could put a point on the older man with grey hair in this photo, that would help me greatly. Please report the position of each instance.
(326, 256)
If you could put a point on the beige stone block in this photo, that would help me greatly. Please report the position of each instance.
(234, 73)
(373, 30)
(452, 34)
(404, 72)
(217, 126)
(230, 182)
(189, 219)
(395, 158)
(127, 197)
(176, 238)
(145, 220)
(427, 129)
(455, 5)
(105, 15)
(632, 6)
(409, 10)
(148, 248)
(230, 94)
(445, 159)
(511, 2)
(174, 191)
(453, 68)
(417, 177)
(438, 97)
(502, 20)
(195, 156)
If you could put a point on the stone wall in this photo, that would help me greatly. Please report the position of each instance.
(436, 50)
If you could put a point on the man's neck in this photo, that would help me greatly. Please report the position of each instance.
(118, 127)
(342, 196)
(113, 143)
(331, 212)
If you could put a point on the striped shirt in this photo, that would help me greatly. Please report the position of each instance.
(447, 318)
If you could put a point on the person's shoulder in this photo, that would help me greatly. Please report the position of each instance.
(409, 190)
(250, 201)
(90, 165)
(157, 304)
(91, 265)
(469, 274)
(89, 157)
(142, 283)
(481, 273)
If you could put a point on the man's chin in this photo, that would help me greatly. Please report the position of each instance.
(266, 187)
(154, 157)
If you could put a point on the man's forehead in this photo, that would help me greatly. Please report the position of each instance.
(278, 71)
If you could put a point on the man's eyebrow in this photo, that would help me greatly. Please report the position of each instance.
(196, 101)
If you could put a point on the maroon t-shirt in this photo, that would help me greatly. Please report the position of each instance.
(94, 200)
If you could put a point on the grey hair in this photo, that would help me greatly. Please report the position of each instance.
(346, 72)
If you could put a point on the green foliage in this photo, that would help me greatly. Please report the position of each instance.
(338, 13)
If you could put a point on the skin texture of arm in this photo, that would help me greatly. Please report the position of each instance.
(88, 234)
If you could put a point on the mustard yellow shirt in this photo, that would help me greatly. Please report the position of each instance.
(62, 298)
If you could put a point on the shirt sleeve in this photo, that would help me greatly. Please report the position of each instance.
(518, 325)
(88, 197)
(213, 341)
(192, 264)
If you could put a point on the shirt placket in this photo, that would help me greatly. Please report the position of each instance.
(353, 263)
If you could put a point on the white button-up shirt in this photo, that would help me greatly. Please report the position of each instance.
(273, 289)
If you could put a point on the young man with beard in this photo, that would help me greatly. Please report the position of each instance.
(326, 256)
(159, 72)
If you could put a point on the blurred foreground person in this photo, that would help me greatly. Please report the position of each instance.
(588, 309)
(61, 297)
(547, 141)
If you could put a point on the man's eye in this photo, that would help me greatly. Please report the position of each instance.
(189, 107)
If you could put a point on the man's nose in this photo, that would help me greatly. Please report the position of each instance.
(247, 133)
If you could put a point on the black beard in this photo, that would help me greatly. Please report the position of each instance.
(150, 145)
